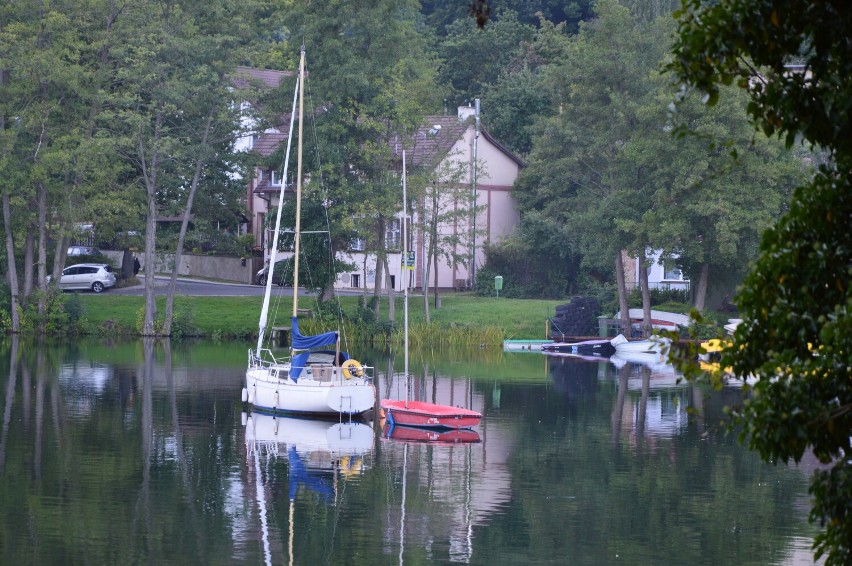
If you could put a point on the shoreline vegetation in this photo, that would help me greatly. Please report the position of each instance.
(464, 319)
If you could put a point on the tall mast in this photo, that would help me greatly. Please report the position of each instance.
(405, 265)
(298, 238)
(273, 254)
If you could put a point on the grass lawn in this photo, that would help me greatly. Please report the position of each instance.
(238, 316)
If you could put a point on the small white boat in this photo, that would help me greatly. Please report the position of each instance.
(732, 325)
(298, 383)
(662, 320)
(655, 345)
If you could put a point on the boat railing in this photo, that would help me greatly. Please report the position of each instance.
(325, 372)
(262, 358)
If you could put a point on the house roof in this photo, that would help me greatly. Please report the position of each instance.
(245, 76)
(268, 142)
(434, 140)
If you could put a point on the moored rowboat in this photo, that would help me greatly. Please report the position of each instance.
(429, 415)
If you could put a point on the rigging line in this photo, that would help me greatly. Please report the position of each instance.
(325, 204)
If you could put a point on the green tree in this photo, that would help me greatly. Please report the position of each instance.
(446, 205)
(795, 337)
(537, 260)
(55, 170)
(716, 187)
(580, 171)
(370, 81)
(519, 96)
(472, 59)
(171, 113)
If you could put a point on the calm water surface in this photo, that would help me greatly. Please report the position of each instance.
(142, 453)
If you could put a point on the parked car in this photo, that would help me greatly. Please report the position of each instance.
(283, 273)
(94, 276)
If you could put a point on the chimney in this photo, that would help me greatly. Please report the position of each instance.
(466, 112)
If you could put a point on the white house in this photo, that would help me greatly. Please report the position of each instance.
(266, 181)
(441, 140)
(663, 274)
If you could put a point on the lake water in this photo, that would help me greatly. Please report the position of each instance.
(142, 453)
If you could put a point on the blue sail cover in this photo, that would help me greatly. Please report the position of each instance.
(299, 474)
(301, 342)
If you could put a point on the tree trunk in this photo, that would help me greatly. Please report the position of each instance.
(646, 295)
(622, 294)
(29, 251)
(377, 283)
(10, 265)
(377, 287)
(42, 254)
(701, 290)
(426, 312)
(364, 270)
(391, 290)
(60, 254)
(199, 165)
(149, 172)
(437, 298)
(126, 264)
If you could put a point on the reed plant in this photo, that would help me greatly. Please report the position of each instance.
(462, 335)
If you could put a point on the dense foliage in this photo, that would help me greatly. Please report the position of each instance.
(796, 301)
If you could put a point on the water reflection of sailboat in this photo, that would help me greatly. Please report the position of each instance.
(319, 454)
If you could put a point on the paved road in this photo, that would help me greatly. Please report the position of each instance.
(202, 288)
(194, 287)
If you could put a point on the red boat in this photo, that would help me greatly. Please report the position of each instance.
(431, 435)
(429, 415)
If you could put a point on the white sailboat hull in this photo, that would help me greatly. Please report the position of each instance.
(309, 435)
(329, 393)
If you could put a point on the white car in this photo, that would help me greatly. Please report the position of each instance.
(94, 276)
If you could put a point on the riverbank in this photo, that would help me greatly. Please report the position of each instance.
(227, 317)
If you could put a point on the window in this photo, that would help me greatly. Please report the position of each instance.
(672, 273)
(358, 245)
(274, 178)
(393, 234)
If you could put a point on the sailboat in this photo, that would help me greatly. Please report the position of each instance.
(309, 381)
(420, 413)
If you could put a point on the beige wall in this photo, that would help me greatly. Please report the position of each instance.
(224, 268)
